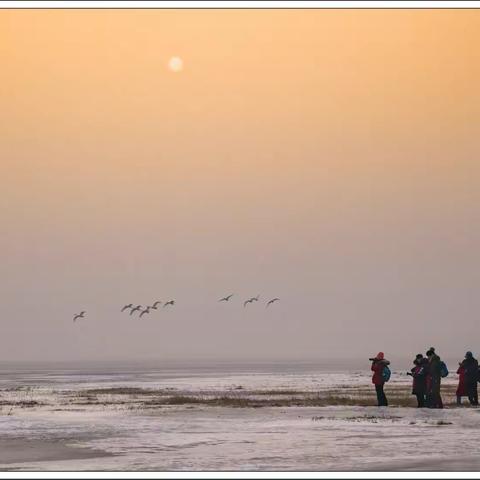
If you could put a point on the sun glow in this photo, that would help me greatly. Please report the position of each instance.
(175, 64)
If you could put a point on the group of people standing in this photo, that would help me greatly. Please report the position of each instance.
(427, 378)
(427, 374)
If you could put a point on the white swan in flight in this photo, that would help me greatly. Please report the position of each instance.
(79, 315)
(226, 299)
(272, 301)
(136, 309)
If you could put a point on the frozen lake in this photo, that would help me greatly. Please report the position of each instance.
(224, 417)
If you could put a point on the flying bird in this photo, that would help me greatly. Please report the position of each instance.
(226, 299)
(250, 300)
(272, 301)
(136, 309)
(154, 306)
(130, 305)
(171, 302)
(79, 315)
(143, 312)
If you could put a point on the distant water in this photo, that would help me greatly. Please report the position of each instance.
(150, 373)
(195, 375)
(198, 367)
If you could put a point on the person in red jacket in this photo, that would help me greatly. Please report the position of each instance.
(461, 389)
(378, 364)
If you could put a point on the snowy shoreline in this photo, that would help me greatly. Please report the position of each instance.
(199, 438)
(246, 421)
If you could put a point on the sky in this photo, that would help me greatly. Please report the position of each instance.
(325, 157)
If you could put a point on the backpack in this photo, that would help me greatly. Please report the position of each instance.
(386, 373)
(443, 369)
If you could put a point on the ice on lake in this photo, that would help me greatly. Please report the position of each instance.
(56, 405)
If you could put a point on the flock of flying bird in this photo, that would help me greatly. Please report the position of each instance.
(143, 311)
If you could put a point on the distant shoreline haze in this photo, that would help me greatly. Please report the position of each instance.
(288, 366)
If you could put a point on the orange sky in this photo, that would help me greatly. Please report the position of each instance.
(313, 154)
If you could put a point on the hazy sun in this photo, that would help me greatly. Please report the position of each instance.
(175, 64)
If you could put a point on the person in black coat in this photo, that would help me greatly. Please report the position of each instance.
(470, 364)
(434, 378)
(419, 374)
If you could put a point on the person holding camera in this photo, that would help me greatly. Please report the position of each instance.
(419, 374)
(378, 379)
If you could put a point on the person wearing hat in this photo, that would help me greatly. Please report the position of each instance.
(419, 374)
(470, 364)
(378, 364)
(461, 388)
(434, 399)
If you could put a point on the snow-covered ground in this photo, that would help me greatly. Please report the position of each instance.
(53, 407)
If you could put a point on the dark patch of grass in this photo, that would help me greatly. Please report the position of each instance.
(245, 402)
(87, 397)
(21, 403)
(20, 388)
(281, 392)
(398, 396)
(178, 400)
(359, 418)
(118, 391)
